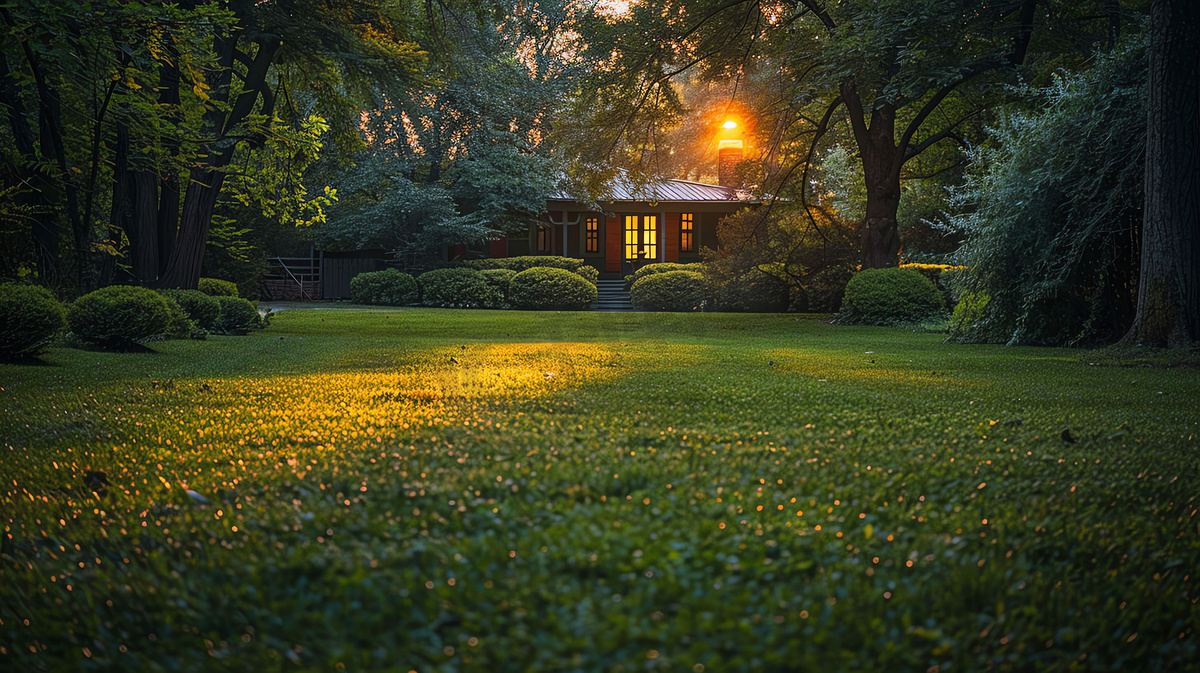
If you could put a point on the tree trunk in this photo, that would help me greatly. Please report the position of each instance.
(143, 232)
(1168, 310)
(880, 237)
(187, 256)
(44, 227)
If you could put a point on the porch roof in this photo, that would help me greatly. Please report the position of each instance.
(621, 188)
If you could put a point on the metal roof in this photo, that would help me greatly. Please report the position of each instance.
(621, 188)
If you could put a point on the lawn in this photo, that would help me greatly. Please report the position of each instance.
(439, 490)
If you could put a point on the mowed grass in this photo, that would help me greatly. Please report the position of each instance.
(500, 491)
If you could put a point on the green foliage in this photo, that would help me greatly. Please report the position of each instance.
(519, 264)
(968, 311)
(777, 413)
(1053, 209)
(389, 287)
(201, 308)
(663, 267)
(544, 288)
(501, 281)
(890, 296)
(216, 287)
(30, 317)
(238, 316)
(755, 291)
(180, 326)
(826, 288)
(670, 290)
(119, 316)
(458, 288)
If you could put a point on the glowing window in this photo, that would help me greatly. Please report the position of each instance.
(641, 237)
(687, 233)
(591, 241)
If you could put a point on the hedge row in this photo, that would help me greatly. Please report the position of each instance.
(535, 288)
(519, 264)
(118, 317)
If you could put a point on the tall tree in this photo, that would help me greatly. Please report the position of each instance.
(906, 76)
(1168, 308)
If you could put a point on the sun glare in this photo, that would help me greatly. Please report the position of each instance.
(730, 124)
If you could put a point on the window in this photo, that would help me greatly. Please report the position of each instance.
(687, 233)
(543, 238)
(641, 238)
(591, 241)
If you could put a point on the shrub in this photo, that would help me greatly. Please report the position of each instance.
(238, 316)
(753, 292)
(669, 291)
(663, 267)
(826, 288)
(201, 308)
(29, 318)
(968, 311)
(519, 264)
(542, 288)
(180, 325)
(119, 316)
(389, 287)
(942, 276)
(889, 296)
(500, 280)
(457, 288)
(216, 287)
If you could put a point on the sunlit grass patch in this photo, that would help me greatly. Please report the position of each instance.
(443, 490)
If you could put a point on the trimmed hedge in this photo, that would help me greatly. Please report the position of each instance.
(969, 310)
(890, 296)
(543, 288)
(119, 316)
(389, 287)
(201, 308)
(180, 326)
(661, 267)
(754, 292)
(458, 288)
(215, 287)
(670, 291)
(943, 276)
(238, 316)
(519, 264)
(30, 316)
(501, 281)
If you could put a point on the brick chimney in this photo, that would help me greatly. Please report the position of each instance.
(729, 155)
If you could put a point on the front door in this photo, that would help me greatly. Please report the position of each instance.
(641, 242)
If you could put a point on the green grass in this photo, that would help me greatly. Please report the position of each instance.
(499, 491)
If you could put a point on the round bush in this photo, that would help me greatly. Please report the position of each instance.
(669, 291)
(201, 308)
(500, 280)
(754, 292)
(29, 318)
(216, 287)
(457, 288)
(968, 311)
(662, 267)
(889, 296)
(389, 287)
(238, 316)
(542, 288)
(119, 316)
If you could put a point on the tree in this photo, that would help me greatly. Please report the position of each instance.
(906, 76)
(459, 158)
(1168, 307)
(144, 108)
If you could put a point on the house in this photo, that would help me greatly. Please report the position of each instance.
(663, 221)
